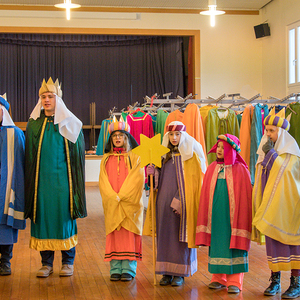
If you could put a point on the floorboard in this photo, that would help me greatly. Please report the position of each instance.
(91, 273)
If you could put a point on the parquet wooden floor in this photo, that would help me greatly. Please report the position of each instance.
(91, 274)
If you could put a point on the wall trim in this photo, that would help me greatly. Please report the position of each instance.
(123, 9)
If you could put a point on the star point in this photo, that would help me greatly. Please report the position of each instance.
(151, 150)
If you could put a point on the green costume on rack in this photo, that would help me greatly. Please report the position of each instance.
(216, 126)
(54, 182)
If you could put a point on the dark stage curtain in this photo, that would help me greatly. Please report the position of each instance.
(108, 70)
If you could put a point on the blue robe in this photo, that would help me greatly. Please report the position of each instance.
(12, 146)
(256, 136)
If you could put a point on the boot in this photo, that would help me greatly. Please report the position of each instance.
(274, 287)
(294, 290)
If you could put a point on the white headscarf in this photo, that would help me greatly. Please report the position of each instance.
(187, 146)
(285, 144)
(69, 125)
(6, 120)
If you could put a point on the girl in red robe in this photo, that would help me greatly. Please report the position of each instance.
(225, 215)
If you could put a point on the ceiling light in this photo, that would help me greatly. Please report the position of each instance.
(67, 5)
(212, 12)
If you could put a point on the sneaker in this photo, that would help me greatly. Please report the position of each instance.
(5, 270)
(115, 277)
(66, 270)
(44, 271)
(216, 285)
(126, 277)
(177, 281)
(166, 280)
(232, 289)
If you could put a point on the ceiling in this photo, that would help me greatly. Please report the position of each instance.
(148, 4)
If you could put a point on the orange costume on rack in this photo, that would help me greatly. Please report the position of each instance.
(192, 121)
(245, 133)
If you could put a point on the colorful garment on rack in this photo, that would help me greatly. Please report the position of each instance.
(175, 115)
(140, 123)
(217, 125)
(239, 117)
(245, 133)
(154, 117)
(294, 110)
(161, 118)
(257, 130)
(192, 121)
(204, 112)
(103, 136)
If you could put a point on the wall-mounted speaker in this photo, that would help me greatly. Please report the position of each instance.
(262, 30)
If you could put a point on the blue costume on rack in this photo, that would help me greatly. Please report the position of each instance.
(12, 145)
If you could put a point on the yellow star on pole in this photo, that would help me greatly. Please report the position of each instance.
(150, 150)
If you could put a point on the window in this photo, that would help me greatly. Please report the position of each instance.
(294, 57)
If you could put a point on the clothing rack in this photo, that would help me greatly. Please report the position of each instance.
(235, 100)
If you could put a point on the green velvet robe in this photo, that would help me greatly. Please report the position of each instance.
(54, 185)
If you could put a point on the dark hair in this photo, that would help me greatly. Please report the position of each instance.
(169, 154)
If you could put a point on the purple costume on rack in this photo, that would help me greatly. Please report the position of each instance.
(173, 257)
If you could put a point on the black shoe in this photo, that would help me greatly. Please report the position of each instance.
(115, 277)
(5, 270)
(177, 281)
(294, 290)
(166, 280)
(274, 287)
(126, 277)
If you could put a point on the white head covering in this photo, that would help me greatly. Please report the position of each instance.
(69, 125)
(4, 105)
(285, 144)
(187, 144)
(6, 120)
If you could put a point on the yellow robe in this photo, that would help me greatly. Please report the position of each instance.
(277, 212)
(123, 209)
(193, 178)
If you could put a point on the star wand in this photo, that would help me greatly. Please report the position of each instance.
(151, 152)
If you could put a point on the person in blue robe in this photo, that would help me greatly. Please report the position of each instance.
(12, 147)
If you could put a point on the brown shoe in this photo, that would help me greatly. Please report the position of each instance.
(44, 271)
(66, 270)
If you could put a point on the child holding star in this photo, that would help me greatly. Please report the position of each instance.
(177, 201)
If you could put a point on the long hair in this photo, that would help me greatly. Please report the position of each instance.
(169, 154)
(126, 145)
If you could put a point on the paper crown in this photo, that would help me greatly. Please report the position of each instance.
(176, 126)
(114, 126)
(278, 119)
(232, 140)
(51, 87)
(4, 102)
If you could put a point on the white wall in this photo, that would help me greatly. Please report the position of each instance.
(231, 57)
(279, 14)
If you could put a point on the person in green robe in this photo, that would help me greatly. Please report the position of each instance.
(54, 179)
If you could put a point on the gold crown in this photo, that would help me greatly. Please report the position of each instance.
(51, 87)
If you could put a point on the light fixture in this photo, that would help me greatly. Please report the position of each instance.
(67, 5)
(212, 12)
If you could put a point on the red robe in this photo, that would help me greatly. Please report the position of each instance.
(240, 202)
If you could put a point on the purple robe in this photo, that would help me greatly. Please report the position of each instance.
(173, 257)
